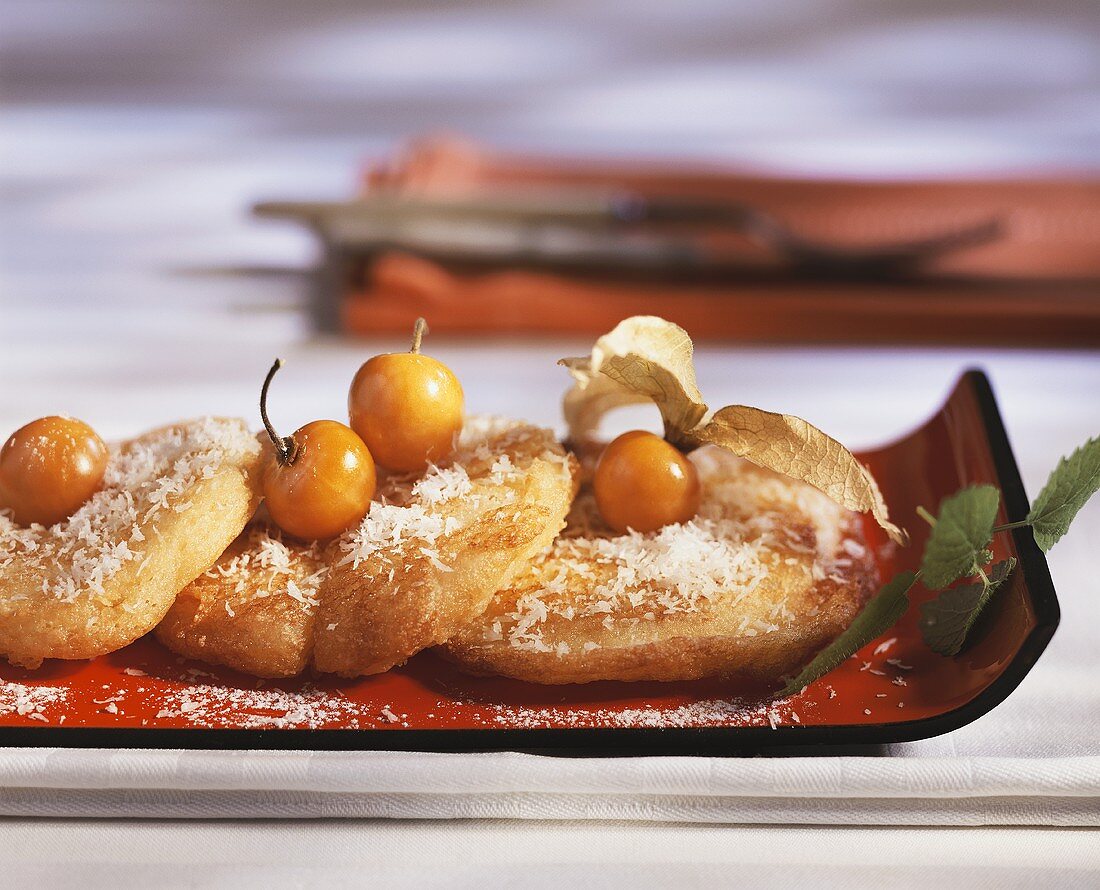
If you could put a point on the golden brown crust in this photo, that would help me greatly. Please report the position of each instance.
(426, 559)
(253, 610)
(172, 501)
(769, 573)
(427, 563)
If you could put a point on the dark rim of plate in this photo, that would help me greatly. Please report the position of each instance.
(596, 742)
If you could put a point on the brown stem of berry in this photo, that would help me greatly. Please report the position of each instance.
(286, 448)
(419, 330)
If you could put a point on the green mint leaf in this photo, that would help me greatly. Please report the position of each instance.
(960, 535)
(879, 615)
(946, 621)
(1073, 482)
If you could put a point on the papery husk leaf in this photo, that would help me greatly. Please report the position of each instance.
(644, 359)
(647, 359)
(591, 397)
(791, 446)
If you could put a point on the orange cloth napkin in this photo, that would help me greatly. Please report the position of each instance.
(1039, 284)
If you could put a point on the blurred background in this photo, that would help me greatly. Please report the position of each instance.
(137, 136)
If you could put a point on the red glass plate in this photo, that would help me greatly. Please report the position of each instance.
(894, 690)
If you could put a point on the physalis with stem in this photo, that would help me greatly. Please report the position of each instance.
(319, 482)
(408, 407)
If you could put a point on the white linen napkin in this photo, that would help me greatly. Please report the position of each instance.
(811, 790)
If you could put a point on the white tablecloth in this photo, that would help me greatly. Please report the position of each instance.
(479, 854)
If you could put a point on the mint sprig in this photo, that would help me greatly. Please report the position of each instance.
(879, 615)
(1073, 482)
(958, 548)
(946, 621)
(960, 534)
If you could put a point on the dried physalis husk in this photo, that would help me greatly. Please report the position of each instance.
(648, 359)
(645, 359)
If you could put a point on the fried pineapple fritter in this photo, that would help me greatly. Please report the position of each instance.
(424, 561)
(253, 610)
(171, 501)
(428, 557)
(767, 573)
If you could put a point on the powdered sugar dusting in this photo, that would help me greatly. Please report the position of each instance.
(207, 705)
(185, 694)
(214, 706)
(711, 712)
(32, 702)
